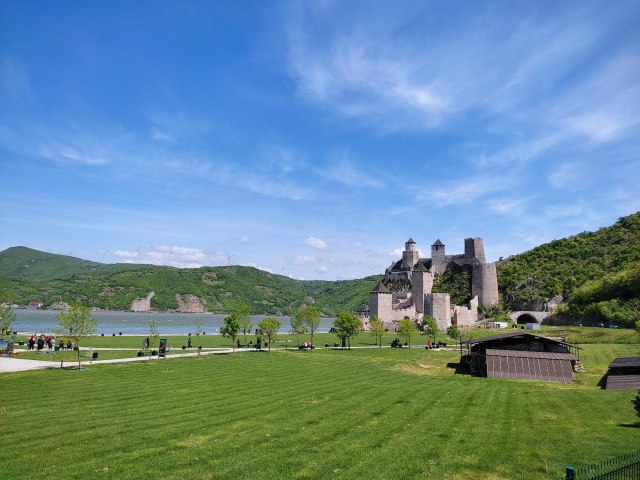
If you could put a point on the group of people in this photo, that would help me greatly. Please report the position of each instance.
(46, 342)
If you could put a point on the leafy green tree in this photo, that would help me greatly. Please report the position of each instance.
(298, 327)
(76, 324)
(454, 332)
(347, 325)
(231, 328)
(430, 326)
(244, 315)
(7, 317)
(407, 329)
(269, 326)
(309, 316)
(377, 329)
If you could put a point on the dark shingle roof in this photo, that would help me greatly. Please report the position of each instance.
(623, 362)
(438, 244)
(528, 354)
(380, 288)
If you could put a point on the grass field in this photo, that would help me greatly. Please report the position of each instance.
(364, 413)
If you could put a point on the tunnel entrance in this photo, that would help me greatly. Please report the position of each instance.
(526, 318)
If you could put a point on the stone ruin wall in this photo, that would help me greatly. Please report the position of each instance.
(463, 316)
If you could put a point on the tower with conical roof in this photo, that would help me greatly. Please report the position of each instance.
(410, 256)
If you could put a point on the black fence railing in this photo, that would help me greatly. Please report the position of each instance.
(624, 467)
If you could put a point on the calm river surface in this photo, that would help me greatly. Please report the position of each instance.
(130, 323)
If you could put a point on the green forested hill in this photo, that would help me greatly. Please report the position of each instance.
(27, 263)
(568, 268)
(221, 288)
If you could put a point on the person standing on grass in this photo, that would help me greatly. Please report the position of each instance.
(189, 342)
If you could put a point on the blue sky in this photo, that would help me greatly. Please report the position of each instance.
(313, 139)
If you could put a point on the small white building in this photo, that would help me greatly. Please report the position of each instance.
(497, 324)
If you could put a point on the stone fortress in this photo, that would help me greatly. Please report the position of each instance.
(406, 288)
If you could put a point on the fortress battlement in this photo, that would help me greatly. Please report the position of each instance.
(415, 275)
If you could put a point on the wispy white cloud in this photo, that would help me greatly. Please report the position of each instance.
(342, 170)
(304, 260)
(511, 206)
(465, 190)
(322, 269)
(315, 242)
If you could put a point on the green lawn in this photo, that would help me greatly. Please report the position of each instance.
(367, 413)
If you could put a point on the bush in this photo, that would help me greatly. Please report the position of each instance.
(636, 403)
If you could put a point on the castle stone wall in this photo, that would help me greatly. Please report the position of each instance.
(438, 306)
(463, 316)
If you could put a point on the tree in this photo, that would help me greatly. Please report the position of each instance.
(430, 326)
(377, 329)
(76, 324)
(407, 328)
(7, 317)
(231, 328)
(269, 326)
(347, 325)
(153, 332)
(454, 332)
(298, 327)
(243, 313)
(310, 318)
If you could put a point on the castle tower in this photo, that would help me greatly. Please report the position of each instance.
(438, 306)
(410, 255)
(438, 258)
(421, 283)
(474, 247)
(484, 284)
(380, 302)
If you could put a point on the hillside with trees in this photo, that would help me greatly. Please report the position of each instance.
(221, 289)
(595, 274)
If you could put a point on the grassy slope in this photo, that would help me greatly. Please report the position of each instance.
(323, 414)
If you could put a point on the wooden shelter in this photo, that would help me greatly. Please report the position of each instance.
(624, 374)
(522, 356)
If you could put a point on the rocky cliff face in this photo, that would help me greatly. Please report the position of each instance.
(142, 304)
(190, 304)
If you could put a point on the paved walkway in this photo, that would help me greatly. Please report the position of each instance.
(21, 364)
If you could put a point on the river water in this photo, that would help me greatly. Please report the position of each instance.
(132, 323)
